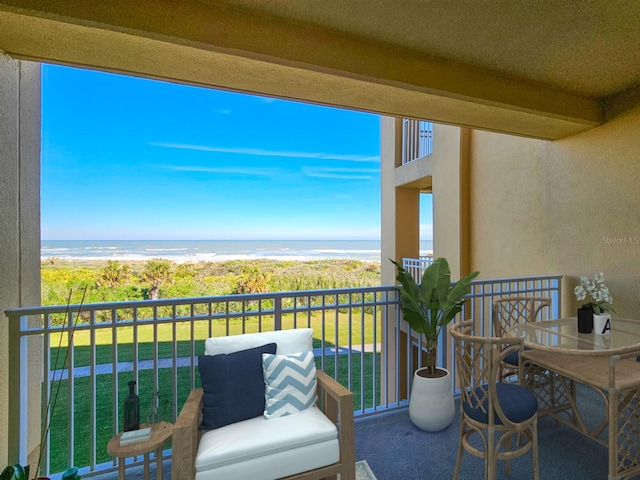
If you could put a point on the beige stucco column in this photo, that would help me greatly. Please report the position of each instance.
(390, 142)
(447, 173)
(400, 236)
(451, 190)
(19, 218)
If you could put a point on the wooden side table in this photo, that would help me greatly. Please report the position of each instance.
(160, 433)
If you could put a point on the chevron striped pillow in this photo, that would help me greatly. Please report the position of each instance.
(290, 383)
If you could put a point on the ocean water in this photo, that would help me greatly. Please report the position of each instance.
(182, 251)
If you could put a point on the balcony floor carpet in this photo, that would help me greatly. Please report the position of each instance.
(397, 450)
(363, 472)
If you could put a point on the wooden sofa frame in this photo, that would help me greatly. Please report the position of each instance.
(333, 399)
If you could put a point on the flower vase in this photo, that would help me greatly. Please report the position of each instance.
(153, 413)
(585, 319)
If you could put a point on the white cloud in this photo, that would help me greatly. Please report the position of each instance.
(270, 153)
(342, 176)
(265, 172)
(341, 173)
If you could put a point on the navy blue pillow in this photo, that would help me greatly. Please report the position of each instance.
(233, 386)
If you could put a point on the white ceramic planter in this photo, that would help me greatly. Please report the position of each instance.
(431, 406)
(602, 323)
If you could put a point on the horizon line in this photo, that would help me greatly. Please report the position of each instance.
(212, 239)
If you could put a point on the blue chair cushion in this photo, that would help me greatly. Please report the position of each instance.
(513, 358)
(518, 404)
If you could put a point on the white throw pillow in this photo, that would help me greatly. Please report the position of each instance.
(290, 383)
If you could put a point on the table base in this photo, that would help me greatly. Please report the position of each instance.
(158, 454)
(160, 433)
(553, 377)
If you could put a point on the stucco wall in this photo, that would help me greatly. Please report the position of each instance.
(19, 219)
(507, 218)
(8, 222)
(447, 227)
(569, 207)
(388, 152)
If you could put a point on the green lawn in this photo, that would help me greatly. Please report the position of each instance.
(183, 335)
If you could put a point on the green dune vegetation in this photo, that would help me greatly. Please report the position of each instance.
(115, 281)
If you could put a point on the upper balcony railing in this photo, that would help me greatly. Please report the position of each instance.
(415, 266)
(417, 139)
(83, 370)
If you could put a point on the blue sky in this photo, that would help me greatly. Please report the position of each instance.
(130, 158)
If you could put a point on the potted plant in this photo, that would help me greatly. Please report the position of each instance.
(428, 307)
(597, 310)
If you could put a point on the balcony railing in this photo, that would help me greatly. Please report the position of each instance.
(156, 343)
(479, 306)
(417, 139)
(415, 266)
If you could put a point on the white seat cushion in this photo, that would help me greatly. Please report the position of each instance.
(266, 449)
(289, 341)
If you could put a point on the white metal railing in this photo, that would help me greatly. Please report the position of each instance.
(415, 266)
(156, 343)
(417, 139)
(479, 305)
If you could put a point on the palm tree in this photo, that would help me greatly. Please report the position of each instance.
(113, 274)
(156, 272)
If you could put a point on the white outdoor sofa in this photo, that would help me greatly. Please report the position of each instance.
(315, 443)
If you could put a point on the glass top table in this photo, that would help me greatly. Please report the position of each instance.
(557, 357)
(561, 336)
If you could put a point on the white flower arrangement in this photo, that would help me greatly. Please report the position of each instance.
(597, 291)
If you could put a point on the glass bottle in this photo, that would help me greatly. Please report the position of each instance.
(131, 419)
(153, 413)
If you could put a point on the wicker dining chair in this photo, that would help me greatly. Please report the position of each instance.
(510, 311)
(492, 411)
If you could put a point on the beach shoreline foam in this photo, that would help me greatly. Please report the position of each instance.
(197, 251)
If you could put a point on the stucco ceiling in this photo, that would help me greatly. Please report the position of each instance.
(545, 68)
(590, 47)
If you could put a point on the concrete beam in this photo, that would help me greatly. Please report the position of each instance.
(226, 48)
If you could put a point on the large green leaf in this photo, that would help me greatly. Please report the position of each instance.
(443, 279)
(435, 302)
(15, 472)
(432, 304)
